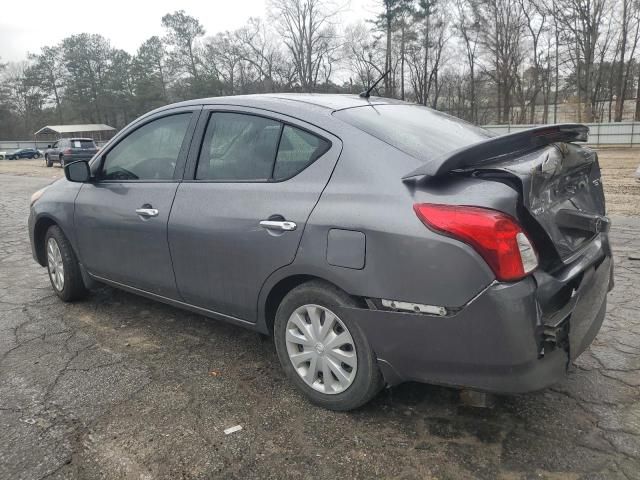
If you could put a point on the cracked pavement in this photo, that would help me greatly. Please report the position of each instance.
(117, 386)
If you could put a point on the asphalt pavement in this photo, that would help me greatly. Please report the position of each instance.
(117, 386)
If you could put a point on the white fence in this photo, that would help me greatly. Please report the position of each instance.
(9, 145)
(623, 134)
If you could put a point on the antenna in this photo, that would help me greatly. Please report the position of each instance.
(367, 93)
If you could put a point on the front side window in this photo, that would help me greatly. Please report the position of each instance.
(239, 147)
(148, 153)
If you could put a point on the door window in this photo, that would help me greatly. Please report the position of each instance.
(238, 147)
(149, 152)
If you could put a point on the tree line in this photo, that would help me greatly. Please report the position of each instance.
(487, 61)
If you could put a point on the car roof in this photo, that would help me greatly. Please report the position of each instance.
(323, 100)
(315, 108)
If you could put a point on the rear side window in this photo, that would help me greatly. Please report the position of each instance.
(419, 131)
(149, 152)
(244, 147)
(297, 150)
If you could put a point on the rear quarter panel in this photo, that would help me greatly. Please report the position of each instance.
(404, 259)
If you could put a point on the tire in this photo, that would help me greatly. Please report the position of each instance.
(72, 286)
(323, 297)
(37, 155)
(48, 161)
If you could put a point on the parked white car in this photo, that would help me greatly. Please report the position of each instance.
(3, 155)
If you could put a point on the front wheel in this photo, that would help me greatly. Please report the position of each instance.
(36, 156)
(324, 354)
(63, 267)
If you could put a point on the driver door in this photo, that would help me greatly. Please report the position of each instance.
(121, 218)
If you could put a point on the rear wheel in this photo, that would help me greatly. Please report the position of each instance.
(324, 354)
(63, 267)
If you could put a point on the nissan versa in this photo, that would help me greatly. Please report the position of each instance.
(377, 241)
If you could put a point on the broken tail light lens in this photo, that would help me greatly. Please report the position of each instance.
(496, 236)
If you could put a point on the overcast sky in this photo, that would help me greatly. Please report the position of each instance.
(27, 25)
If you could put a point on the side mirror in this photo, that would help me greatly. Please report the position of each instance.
(77, 171)
(48, 146)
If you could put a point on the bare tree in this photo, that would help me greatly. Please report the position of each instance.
(468, 29)
(307, 31)
(581, 23)
(259, 49)
(362, 55)
(501, 36)
(627, 43)
(534, 23)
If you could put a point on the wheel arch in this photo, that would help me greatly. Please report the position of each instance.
(275, 289)
(39, 231)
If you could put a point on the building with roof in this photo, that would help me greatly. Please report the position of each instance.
(97, 131)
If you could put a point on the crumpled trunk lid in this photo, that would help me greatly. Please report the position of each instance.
(561, 189)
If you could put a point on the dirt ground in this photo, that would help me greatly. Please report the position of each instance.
(621, 188)
(618, 167)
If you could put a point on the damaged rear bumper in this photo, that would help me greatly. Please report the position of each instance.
(512, 338)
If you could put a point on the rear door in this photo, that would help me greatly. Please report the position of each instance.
(121, 217)
(240, 212)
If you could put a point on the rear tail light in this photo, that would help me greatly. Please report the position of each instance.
(496, 236)
(67, 151)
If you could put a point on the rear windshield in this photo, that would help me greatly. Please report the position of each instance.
(419, 131)
(77, 143)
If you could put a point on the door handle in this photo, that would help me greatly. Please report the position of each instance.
(147, 212)
(283, 226)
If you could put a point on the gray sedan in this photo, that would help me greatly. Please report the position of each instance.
(377, 241)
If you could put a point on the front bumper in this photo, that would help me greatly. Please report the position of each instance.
(512, 338)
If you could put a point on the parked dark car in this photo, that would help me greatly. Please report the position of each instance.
(70, 150)
(24, 153)
(377, 241)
